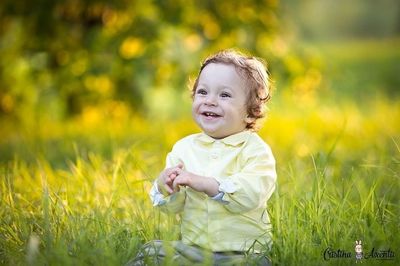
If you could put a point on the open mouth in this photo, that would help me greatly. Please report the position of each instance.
(210, 114)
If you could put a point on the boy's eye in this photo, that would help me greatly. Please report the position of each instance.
(201, 91)
(225, 95)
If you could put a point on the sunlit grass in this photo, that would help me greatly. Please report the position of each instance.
(76, 192)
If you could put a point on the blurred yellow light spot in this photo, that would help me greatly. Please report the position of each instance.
(164, 72)
(116, 21)
(263, 43)
(131, 47)
(246, 14)
(273, 3)
(268, 18)
(79, 67)
(314, 76)
(303, 150)
(211, 28)
(294, 65)
(91, 115)
(7, 103)
(101, 84)
(279, 48)
(193, 42)
(109, 17)
(118, 110)
(65, 202)
(305, 86)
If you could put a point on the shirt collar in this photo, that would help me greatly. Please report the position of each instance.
(233, 140)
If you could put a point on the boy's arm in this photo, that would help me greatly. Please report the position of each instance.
(199, 183)
(253, 185)
(246, 190)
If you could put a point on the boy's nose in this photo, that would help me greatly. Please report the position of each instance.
(210, 100)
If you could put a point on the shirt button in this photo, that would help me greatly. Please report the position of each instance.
(214, 156)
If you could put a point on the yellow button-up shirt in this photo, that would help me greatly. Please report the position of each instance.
(244, 166)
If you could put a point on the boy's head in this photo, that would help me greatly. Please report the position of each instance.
(245, 74)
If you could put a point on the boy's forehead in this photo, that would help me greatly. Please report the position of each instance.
(222, 73)
(220, 70)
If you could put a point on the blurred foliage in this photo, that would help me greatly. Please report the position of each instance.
(100, 62)
(60, 57)
(342, 19)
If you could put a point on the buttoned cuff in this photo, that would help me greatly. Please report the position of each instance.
(219, 197)
(156, 196)
(225, 186)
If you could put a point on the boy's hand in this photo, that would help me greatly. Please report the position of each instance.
(166, 178)
(204, 184)
(182, 178)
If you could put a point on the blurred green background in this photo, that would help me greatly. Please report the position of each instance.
(93, 94)
(73, 69)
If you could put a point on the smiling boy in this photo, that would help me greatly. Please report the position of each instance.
(220, 180)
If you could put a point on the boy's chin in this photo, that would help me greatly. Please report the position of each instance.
(215, 135)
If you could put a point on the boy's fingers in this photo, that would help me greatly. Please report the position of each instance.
(179, 171)
(169, 186)
(172, 176)
(169, 189)
(166, 187)
(171, 170)
(176, 186)
(178, 182)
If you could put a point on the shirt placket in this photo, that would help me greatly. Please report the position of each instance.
(214, 159)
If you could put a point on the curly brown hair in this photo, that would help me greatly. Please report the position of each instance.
(254, 71)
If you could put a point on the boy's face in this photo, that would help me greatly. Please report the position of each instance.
(219, 104)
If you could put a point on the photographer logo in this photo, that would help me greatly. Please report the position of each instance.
(375, 254)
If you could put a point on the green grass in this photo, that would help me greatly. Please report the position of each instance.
(333, 188)
(94, 213)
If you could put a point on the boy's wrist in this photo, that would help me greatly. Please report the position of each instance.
(194, 182)
(210, 186)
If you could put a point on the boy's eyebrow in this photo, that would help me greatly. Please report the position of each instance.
(220, 87)
(227, 87)
(202, 85)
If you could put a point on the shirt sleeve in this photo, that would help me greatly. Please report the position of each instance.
(253, 185)
(156, 196)
(172, 203)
